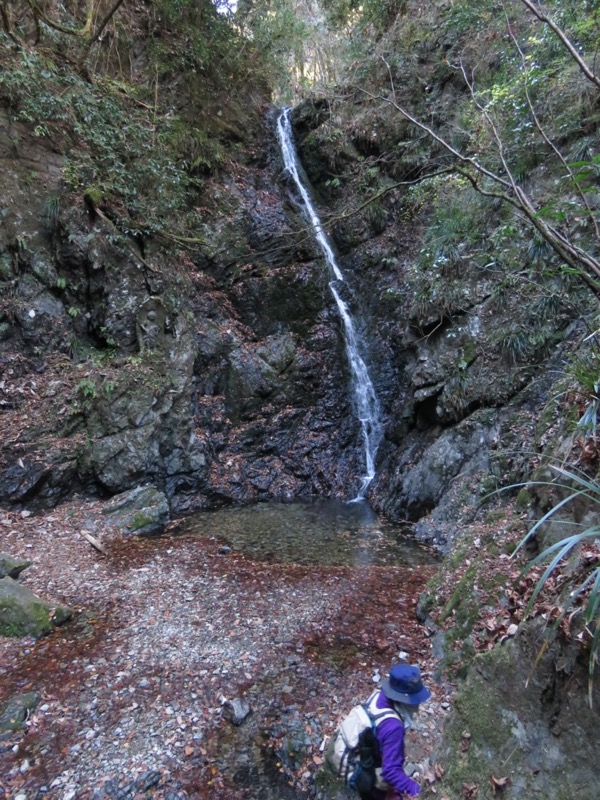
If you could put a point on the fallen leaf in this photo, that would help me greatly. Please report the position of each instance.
(499, 784)
(429, 776)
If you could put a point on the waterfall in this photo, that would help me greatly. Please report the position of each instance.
(367, 406)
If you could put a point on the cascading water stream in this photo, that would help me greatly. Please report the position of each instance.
(367, 405)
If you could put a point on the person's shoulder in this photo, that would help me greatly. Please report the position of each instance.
(390, 727)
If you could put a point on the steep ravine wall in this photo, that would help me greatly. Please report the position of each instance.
(219, 374)
(215, 373)
(461, 409)
(464, 418)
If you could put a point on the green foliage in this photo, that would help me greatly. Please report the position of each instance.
(581, 589)
(128, 152)
(472, 15)
(521, 343)
(113, 155)
(201, 152)
(190, 36)
(86, 389)
(377, 216)
(52, 210)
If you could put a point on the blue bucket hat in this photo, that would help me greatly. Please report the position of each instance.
(404, 685)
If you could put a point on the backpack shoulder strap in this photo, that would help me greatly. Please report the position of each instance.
(377, 715)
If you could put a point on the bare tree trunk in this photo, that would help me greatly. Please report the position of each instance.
(6, 21)
(105, 21)
(87, 31)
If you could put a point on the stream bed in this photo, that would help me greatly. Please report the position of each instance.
(294, 610)
(325, 532)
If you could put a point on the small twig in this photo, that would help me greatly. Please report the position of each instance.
(94, 542)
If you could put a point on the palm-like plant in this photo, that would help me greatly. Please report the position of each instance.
(584, 587)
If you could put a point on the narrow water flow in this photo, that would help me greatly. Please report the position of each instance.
(367, 405)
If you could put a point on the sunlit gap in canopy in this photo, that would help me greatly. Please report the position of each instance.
(225, 7)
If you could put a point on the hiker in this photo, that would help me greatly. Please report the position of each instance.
(402, 692)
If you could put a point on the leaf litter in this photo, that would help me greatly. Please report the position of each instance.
(166, 631)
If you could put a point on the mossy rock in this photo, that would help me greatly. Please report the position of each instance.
(23, 613)
(143, 511)
(12, 567)
(16, 711)
(518, 716)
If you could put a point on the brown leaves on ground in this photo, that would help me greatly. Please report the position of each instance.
(498, 587)
(164, 628)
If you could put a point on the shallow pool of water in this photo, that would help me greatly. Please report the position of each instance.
(325, 532)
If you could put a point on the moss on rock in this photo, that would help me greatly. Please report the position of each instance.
(22, 613)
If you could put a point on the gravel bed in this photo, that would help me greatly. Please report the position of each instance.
(135, 690)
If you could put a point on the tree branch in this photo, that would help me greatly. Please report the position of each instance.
(543, 134)
(35, 7)
(105, 21)
(5, 15)
(589, 74)
(587, 267)
(87, 31)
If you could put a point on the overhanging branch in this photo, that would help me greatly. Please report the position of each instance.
(539, 14)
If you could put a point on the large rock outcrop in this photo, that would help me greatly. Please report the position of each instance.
(522, 717)
(220, 378)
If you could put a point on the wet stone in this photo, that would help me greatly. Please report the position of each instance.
(149, 781)
(236, 710)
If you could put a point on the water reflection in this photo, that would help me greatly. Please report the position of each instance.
(326, 532)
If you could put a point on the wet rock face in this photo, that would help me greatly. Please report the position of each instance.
(219, 380)
(454, 360)
(421, 474)
(223, 378)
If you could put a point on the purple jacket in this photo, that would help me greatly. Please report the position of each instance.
(390, 734)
